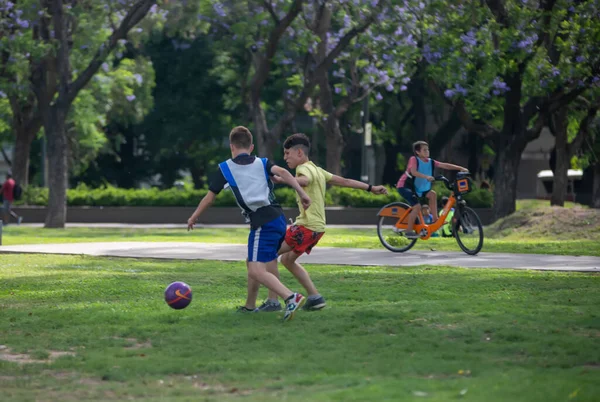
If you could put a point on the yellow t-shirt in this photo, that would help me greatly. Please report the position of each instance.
(314, 217)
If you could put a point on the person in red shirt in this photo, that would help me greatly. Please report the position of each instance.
(7, 190)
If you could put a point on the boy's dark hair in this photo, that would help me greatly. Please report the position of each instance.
(298, 140)
(240, 137)
(417, 146)
(444, 201)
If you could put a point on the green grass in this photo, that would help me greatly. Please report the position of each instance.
(531, 204)
(359, 238)
(422, 333)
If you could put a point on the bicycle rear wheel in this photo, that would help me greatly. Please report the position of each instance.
(391, 237)
(468, 230)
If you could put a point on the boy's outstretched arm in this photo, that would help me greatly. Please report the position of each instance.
(449, 166)
(293, 183)
(206, 202)
(343, 182)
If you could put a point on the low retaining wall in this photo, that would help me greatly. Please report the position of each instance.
(221, 215)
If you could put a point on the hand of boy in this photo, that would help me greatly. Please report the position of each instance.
(190, 224)
(277, 179)
(305, 200)
(379, 190)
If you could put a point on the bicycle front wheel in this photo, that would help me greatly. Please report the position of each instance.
(468, 231)
(390, 236)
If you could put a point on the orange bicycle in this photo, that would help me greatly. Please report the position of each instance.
(466, 225)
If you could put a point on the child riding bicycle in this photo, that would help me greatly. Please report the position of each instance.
(415, 183)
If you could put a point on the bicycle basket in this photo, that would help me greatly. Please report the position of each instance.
(463, 185)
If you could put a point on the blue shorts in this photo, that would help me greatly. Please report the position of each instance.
(264, 242)
(410, 195)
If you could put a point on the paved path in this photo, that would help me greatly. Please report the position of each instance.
(320, 255)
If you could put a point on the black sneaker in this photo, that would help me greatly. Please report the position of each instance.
(411, 235)
(243, 309)
(316, 304)
(269, 306)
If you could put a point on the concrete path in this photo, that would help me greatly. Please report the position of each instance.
(320, 255)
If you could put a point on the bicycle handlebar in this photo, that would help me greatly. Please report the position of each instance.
(450, 186)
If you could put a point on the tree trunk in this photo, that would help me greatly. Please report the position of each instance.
(560, 171)
(335, 144)
(596, 186)
(508, 159)
(20, 162)
(333, 136)
(197, 175)
(417, 93)
(262, 139)
(27, 123)
(54, 125)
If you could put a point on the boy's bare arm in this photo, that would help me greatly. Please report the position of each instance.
(449, 166)
(415, 173)
(206, 202)
(302, 180)
(343, 182)
(293, 183)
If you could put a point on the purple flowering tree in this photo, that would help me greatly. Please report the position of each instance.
(300, 55)
(15, 32)
(248, 35)
(25, 51)
(379, 58)
(507, 67)
(51, 51)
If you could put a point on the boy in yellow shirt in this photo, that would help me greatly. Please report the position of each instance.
(309, 227)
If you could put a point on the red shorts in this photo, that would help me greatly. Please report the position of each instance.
(301, 239)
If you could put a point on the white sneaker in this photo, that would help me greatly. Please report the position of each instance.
(292, 304)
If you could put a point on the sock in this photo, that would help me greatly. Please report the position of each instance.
(273, 301)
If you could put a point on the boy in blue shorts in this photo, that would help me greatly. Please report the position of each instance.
(248, 177)
(416, 183)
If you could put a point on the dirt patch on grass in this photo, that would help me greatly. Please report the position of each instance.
(552, 222)
(6, 354)
(133, 343)
(197, 382)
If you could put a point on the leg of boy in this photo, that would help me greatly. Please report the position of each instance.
(432, 197)
(410, 197)
(412, 217)
(253, 286)
(301, 275)
(289, 261)
(263, 244)
(258, 272)
(272, 268)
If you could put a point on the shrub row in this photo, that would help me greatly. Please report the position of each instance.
(335, 196)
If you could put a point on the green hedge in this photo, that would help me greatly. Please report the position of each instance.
(336, 196)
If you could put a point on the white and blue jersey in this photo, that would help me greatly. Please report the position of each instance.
(248, 177)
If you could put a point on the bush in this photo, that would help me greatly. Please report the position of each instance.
(349, 197)
(187, 197)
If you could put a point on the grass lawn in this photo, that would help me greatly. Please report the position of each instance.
(513, 242)
(82, 328)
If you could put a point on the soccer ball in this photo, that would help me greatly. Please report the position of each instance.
(178, 295)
